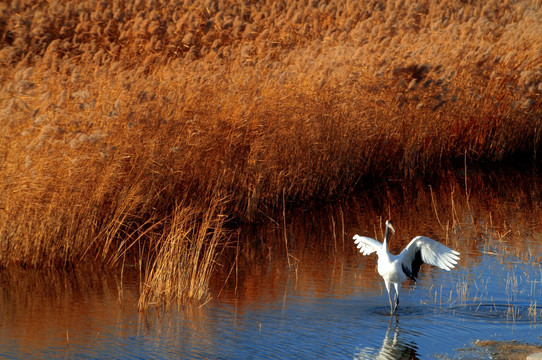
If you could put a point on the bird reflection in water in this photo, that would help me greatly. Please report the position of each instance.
(393, 346)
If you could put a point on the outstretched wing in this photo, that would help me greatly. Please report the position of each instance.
(425, 250)
(367, 245)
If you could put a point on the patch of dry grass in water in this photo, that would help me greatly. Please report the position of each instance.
(130, 129)
(510, 350)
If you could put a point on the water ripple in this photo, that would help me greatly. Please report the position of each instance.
(496, 312)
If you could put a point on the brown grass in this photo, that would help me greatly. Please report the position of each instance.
(130, 129)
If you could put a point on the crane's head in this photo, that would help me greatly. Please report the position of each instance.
(389, 226)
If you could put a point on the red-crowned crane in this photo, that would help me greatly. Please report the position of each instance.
(394, 269)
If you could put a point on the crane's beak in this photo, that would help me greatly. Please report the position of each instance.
(391, 226)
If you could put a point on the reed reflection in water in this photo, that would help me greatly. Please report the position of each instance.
(299, 288)
(51, 314)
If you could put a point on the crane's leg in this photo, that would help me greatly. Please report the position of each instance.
(396, 296)
(389, 296)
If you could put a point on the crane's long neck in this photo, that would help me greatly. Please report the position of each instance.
(385, 243)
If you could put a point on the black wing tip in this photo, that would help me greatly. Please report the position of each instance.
(409, 273)
(414, 269)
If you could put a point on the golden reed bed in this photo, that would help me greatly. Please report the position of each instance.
(133, 131)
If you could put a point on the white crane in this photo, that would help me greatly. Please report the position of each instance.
(394, 269)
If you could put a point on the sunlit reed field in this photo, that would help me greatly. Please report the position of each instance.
(142, 132)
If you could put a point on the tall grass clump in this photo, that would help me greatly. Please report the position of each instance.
(184, 259)
(132, 130)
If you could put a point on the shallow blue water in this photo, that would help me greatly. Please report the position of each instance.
(299, 325)
(359, 326)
